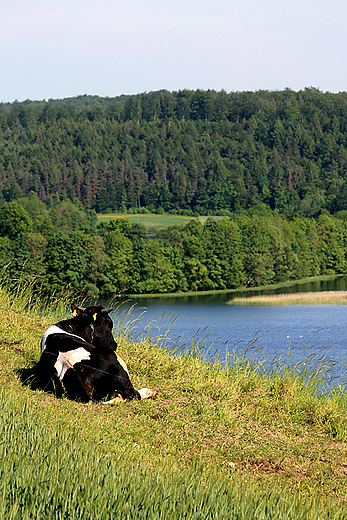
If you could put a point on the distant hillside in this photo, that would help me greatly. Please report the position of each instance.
(196, 152)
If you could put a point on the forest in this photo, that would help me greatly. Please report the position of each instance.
(191, 152)
(273, 165)
(65, 246)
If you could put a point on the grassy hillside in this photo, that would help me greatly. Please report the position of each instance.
(218, 441)
(197, 151)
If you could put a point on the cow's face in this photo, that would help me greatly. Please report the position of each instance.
(103, 325)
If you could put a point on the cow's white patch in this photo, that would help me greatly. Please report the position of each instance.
(55, 330)
(69, 359)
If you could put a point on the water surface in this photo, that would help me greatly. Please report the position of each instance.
(272, 330)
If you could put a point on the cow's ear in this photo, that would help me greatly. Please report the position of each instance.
(76, 311)
(107, 311)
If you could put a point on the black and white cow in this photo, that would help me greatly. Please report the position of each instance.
(78, 356)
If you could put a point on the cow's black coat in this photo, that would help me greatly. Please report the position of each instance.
(83, 353)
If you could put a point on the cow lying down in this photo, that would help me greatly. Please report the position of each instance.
(78, 357)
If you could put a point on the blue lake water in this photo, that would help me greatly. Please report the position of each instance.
(269, 330)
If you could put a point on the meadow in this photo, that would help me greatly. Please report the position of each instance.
(149, 220)
(154, 221)
(221, 440)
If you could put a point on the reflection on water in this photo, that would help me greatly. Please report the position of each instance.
(334, 284)
(338, 283)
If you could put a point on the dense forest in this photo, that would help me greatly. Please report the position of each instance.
(197, 152)
(273, 164)
(64, 245)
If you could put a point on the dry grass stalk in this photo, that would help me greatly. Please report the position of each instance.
(310, 298)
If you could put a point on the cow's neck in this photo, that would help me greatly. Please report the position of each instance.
(63, 328)
(69, 329)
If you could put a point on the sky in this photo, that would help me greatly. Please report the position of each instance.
(53, 49)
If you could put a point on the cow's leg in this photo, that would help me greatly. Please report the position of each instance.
(74, 386)
(145, 393)
(129, 393)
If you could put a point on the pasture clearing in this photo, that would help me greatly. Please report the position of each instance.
(154, 221)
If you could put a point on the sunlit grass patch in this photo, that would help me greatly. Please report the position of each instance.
(149, 220)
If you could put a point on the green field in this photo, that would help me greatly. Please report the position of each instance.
(220, 441)
(153, 221)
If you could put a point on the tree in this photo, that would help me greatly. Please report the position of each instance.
(66, 262)
(264, 251)
(121, 254)
(158, 274)
(14, 220)
(330, 245)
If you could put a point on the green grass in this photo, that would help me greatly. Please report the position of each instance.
(153, 221)
(150, 221)
(232, 440)
(52, 473)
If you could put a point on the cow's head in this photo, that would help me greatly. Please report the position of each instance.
(102, 324)
(81, 323)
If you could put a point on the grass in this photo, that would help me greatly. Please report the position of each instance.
(75, 483)
(152, 221)
(149, 220)
(316, 298)
(221, 440)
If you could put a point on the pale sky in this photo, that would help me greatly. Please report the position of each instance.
(63, 48)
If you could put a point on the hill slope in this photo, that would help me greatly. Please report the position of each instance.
(196, 151)
(272, 432)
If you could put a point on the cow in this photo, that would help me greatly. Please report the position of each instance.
(78, 357)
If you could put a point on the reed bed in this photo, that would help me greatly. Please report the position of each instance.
(301, 298)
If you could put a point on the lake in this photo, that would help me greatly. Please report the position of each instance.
(222, 328)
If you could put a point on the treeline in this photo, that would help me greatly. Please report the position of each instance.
(65, 246)
(197, 152)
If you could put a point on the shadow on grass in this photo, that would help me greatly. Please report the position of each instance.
(27, 376)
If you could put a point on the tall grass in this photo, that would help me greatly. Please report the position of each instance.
(47, 473)
(312, 367)
(135, 328)
(24, 294)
